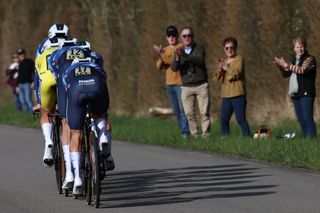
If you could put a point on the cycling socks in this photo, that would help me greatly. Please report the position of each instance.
(47, 130)
(75, 158)
(104, 133)
(67, 160)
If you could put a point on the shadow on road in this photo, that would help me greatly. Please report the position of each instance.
(186, 184)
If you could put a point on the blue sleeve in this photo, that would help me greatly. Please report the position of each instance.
(97, 57)
(36, 87)
(53, 63)
(65, 77)
(39, 50)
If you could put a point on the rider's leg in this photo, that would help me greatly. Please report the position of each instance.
(75, 153)
(47, 132)
(105, 139)
(65, 141)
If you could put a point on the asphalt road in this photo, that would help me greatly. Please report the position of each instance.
(155, 179)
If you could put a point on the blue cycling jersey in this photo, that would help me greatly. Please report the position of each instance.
(61, 60)
(83, 69)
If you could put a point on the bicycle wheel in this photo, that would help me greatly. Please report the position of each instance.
(95, 167)
(58, 157)
(87, 167)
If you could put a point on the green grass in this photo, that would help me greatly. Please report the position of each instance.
(296, 153)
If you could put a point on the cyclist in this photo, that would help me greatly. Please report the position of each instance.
(85, 83)
(60, 61)
(44, 87)
(44, 83)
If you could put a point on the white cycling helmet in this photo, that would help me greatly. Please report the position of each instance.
(68, 42)
(52, 42)
(84, 45)
(58, 30)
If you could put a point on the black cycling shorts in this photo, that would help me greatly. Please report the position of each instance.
(85, 92)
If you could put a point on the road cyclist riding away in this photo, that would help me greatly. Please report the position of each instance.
(45, 85)
(86, 86)
(54, 56)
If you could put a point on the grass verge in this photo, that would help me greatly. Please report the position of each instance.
(297, 152)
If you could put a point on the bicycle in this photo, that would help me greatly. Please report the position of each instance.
(94, 168)
(57, 151)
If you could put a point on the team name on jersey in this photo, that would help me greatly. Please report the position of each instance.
(78, 71)
(75, 53)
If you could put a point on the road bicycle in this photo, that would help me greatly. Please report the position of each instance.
(93, 164)
(57, 151)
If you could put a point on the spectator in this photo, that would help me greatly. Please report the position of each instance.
(12, 79)
(190, 60)
(26, 70)
(173, 79)
(231, 73)
(302, 88)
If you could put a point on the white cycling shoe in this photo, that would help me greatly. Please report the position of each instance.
(47, 156)
(68, 182)
(77, 188)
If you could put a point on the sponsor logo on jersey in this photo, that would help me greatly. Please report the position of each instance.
(79, 71)
(87, 82)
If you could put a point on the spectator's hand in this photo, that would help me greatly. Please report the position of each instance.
(36, 107)
(158, 48)
(17, 90)
(280, 62)
(220, 65)
(178, 52)
(31, 85)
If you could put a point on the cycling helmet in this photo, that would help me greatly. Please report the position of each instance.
(58, 30)
(68, 42)
(84, 45)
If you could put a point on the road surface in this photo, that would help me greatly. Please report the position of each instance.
(155, 179)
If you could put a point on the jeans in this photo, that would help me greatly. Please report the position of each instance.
(304, 111)
(25, 97)
(174, 95)
(237, 105)
(17, 101)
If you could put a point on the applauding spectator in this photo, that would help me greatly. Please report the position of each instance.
(173, 79)
(302, 87)
(190, 61)
(231, 73)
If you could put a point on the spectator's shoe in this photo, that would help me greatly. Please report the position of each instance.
(195, 136)
(184, 135)
(205, 136)
(47, 156)
(68, 182)
(77, 188)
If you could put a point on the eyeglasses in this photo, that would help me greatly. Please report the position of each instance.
(187, 35)
(229, 48)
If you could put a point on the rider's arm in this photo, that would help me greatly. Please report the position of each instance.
(36, 86)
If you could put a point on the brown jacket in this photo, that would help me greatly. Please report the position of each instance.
(164, 61)
(233, 79)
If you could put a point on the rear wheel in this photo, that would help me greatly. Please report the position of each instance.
(87, 168)
(58, 158)
(95, 168)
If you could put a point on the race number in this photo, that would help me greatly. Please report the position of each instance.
(74, 53)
